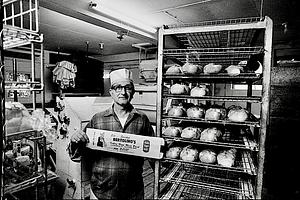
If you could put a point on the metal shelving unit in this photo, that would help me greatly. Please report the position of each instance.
(21, 28)
(224, 42)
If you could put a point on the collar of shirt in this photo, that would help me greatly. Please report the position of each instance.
(110, 111)
(132, 114)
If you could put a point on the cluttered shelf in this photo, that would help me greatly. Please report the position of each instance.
(38, 179)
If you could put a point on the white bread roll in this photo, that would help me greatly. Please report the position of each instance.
(210, 134)
(208, 156)
(189, 153)
(173, 152)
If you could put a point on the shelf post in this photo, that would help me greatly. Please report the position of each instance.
(33, 74)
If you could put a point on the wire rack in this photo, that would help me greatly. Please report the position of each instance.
(203, 56)
(218, 22)
(20, 23)
(227, 140)
(192, 183)
(252, 99)
(185, 192)
(243, 164)
(220, 77)
(242, 37)
(201, 120)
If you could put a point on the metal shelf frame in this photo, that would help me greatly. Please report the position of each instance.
(21, 28)
(20, 23)
(224, 42)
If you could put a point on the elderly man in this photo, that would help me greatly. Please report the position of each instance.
(116, 176)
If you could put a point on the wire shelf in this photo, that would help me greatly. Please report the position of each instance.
(222, 122)
(227, 140)
(220, 77)
(20, 23)
(247, 20)
(241, 36)
(203, 56)
(188, 192)
(243, 164)
(206, 182)
(253, 99)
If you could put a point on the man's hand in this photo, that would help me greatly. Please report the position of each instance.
(79, 137)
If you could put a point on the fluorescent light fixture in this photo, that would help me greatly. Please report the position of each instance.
(123, 19)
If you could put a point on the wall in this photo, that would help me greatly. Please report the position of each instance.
(282, 145)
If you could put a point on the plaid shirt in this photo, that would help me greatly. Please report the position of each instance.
(116, 176)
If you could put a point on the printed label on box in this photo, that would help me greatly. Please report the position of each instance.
(125, 143)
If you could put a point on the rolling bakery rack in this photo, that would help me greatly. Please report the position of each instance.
(224, 42)
(21, 30)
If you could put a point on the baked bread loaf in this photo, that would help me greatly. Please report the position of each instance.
(191, 133)
(189, 68)
(189, 153)
(208, 156)
(198, 91)
(195, 112)
(237, 114)
(213, 114)
(210, 134)
(174, 69)
(234, 70)
(226, 158)
(172, 131)
(173, 152)
(179, 89)
(212, 68)
(176, 111)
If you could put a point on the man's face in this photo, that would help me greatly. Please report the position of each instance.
(122, 93)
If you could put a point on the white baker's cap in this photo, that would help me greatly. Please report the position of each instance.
(120, 76)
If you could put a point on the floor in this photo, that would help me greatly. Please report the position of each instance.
(148, 175)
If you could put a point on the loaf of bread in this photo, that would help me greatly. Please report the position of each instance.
(234, 70)
(173, 152)
(226, 158)
(189, 153)
(195, 112)
(179, 89)
(210, 134)
(176, 111)
(198, 91)
(174, 69)
(237, 114)
(191, 133)
(208, 156)
(190, 68)
(213, 114)
(172, 131)
(212, 68)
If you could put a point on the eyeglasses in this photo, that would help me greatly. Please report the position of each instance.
(119, 88)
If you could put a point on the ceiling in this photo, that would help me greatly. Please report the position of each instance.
(78, 26)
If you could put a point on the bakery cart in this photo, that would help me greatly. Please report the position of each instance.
(24, 160)
(215, 135)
